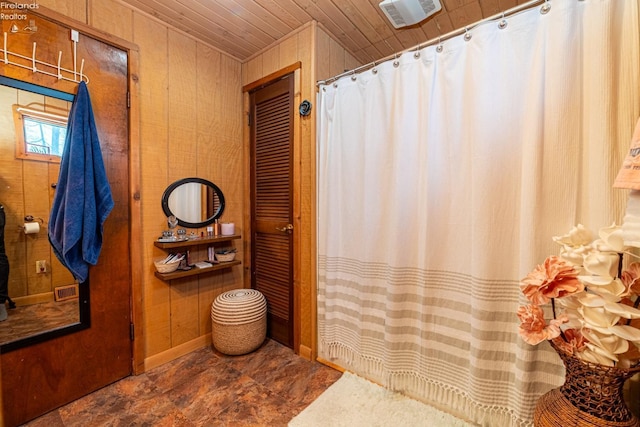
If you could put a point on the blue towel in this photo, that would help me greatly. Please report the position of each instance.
(82, 200)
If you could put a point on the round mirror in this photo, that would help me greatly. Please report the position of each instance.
(195, 202)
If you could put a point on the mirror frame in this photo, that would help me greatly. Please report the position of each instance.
(83, 288)
(84, 323)
(178, 183)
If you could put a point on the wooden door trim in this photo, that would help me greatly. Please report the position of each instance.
(272, 77)
(97, 34)
(135, 205)
(297, 213)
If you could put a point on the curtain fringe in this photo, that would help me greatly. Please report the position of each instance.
(419, 388)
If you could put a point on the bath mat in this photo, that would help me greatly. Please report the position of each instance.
(353, 401)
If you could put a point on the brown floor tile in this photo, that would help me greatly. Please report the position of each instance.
(267, 387)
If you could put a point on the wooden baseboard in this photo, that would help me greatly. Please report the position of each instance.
(33, 299)
(330, 364)
(305, 352)
(176, 352)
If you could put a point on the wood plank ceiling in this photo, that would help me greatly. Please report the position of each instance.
(243, 28)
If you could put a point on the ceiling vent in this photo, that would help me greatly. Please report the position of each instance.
(408, 12)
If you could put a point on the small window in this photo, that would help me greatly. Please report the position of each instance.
(40, 135)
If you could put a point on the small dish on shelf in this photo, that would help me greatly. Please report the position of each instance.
(172, 239)
(226, 256)
(168, 264)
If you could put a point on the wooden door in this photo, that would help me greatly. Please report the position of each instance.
(44, 376)
(272, 203)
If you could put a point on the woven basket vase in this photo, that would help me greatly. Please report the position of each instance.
(591, 396)
(239, 321)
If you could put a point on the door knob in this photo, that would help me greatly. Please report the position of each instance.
(287, 227)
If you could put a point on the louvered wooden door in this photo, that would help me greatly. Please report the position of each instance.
(272, 210)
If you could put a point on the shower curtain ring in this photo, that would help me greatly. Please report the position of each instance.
(395, 61)
(546, 7)
(353, 76)
(503, 23)
(467, 35)
(439, 47)
(416, 54)
(374, 70)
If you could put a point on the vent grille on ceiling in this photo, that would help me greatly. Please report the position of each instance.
(408, 12)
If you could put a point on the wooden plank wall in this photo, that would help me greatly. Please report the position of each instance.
(336, 59)
(26, 190)
(321, 56)
(190, 125)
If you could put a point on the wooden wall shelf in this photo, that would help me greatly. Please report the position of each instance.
(195, 271)
(196, 242)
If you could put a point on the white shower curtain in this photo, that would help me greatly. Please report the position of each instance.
(442, 178)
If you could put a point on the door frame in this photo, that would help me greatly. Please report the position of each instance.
(296, 177)
(134, 167)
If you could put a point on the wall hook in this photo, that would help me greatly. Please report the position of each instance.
(6, 58)
(81, 70)
(305, 108)
(33, 59)
(59, 61)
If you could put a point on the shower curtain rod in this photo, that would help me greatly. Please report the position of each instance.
(449, 35)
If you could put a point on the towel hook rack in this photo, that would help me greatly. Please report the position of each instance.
(38, 66)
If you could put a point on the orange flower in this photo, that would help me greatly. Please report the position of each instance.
(630, 277)
(575, 342)
(534, 328)
(554, 279)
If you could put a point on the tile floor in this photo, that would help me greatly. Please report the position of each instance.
(205, 388)
(27, 320)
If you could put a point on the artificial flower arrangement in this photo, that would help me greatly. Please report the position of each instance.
(594, 302)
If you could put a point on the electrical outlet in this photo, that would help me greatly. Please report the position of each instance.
(41, 266)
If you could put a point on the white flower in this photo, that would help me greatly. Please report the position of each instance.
(611, 239)
(623, 310)
(598, 318)
(628, 333)
(601, 355)
(603, 264)
(575, 254)
(577, 236)
(606, 287)
(610, 343)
